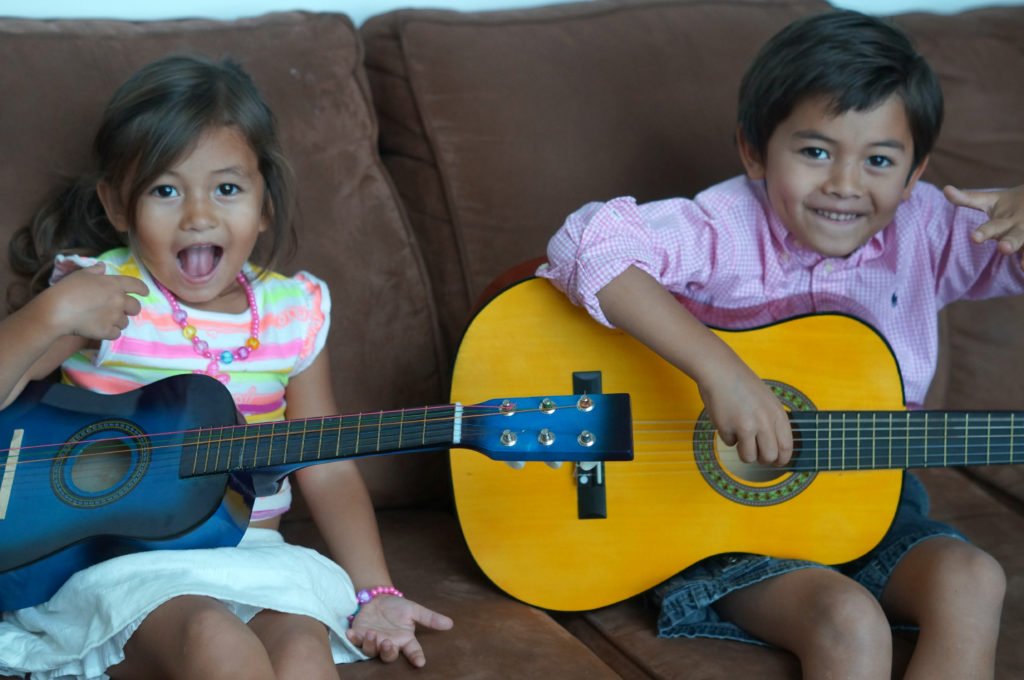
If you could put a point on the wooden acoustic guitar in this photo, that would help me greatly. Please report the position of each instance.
(86, 477)
(582, 537)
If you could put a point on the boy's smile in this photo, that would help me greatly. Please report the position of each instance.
(836, 180)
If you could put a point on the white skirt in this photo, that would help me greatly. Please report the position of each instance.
(81, 631)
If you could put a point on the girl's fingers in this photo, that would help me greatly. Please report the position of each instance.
(414, 653)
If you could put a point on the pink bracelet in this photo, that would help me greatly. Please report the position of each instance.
(365, 595)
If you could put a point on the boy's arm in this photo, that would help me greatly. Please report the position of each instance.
(741, 406)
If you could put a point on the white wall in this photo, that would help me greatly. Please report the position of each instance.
(359, 10)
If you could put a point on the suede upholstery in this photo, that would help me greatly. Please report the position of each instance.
(491, 127)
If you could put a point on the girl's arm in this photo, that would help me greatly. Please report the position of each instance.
(344, 514)
(742, 407)
(84, 306)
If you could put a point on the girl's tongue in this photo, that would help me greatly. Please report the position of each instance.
(198, 262)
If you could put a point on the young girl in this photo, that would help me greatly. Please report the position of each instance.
(174, 241)
(837, 116)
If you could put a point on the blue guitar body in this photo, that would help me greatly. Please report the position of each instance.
(88, 477)
(61, 515)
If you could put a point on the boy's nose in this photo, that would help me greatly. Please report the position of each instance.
(844, 180)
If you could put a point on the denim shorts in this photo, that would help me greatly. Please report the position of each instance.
(686, 599)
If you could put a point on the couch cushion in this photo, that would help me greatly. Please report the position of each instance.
(492, 145)
(353, 233)
(494, 636)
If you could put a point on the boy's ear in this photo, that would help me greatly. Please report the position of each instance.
(751, 157)
(914, 176)
(111, 201)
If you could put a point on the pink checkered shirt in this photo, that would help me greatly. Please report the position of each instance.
(731, 262)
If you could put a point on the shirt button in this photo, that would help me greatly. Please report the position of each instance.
(828, 267)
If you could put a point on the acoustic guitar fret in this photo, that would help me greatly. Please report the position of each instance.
(890, 440)
(906, 442)
(967, 431)
(857, 448)
(945, 439)
(873, 441)
(988, 441)
(844, 440)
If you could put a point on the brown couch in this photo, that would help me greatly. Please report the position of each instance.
(491, 128)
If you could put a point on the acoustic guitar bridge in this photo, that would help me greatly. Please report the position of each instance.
(591, 502)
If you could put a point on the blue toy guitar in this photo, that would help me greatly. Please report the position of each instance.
(87, 477)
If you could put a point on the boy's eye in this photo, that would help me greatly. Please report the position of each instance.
(228, 189)
(815, 152)
(164, 191)
(879, 161)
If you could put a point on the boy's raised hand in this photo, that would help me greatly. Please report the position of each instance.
(1005, 210)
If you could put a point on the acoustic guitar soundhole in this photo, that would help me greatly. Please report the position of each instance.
(100, 464)
(749, 484)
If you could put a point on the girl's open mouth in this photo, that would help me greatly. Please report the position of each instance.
(199, 262)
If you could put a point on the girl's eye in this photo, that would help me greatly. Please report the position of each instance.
(228, 189)
(164, 191)
(879, 161)
(815, 152)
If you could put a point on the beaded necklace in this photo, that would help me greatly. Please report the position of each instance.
(202, 348)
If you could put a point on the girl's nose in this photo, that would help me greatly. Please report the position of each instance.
(200, 214)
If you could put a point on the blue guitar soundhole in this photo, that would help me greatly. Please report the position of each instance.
(100, 464)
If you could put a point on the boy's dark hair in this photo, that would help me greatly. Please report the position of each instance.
(857, 60)
(153, 120)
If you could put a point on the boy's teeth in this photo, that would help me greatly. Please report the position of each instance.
(197, 261)
(845, 217)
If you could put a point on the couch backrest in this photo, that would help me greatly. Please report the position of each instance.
(384, 346)
(981, 145)
(496, 125)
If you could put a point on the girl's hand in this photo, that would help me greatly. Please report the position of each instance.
(386, 625)
(90, 304)
(748, 415)
(1005, 210)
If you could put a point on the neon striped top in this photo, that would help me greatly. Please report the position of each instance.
(294, 321)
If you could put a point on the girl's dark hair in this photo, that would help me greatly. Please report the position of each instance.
(856, 60)
(154, 119)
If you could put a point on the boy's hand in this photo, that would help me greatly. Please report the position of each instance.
(1005, 210)
(748, 415)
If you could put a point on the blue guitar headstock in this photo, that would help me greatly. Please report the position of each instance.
(588, 427)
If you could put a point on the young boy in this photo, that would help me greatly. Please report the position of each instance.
(837, 116)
